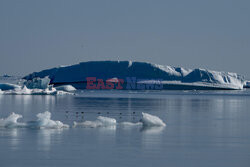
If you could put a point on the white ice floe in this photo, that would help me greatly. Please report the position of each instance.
(146, 121)
(11, 121)
(151, 120)
(130, 124)
(99, 122)
(26, 91)
(43, 121)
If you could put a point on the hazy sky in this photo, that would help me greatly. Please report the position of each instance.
(213, 34)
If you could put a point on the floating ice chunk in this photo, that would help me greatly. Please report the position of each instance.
(38, 83)
(130, 124)
(106, 121)
(146, 121)
(26, 91)
(87, 124)
(151, 120)
(67, 88)
(47, 91)
(8, 86)
(100, 122)
(11, 121)
(44, 121)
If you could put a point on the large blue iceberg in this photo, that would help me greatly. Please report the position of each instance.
(139, 75)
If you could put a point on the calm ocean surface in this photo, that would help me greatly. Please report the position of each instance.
(204, 128)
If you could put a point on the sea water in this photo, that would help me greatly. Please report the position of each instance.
(203, 128)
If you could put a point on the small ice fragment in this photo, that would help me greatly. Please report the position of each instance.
(151, 120)
(99, 122)
(11, 121)
(44, 121)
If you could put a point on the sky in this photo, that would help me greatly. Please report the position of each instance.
(214, 34)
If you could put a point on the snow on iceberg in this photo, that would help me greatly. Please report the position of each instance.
(66, 88)
(170, 77)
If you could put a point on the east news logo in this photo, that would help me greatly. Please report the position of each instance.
(130, 83)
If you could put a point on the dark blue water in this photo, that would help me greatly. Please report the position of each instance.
(203, 129)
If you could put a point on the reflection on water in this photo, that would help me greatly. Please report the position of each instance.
(152, 137)
(12, 135)
(210, 128)
(47, 137)
(152, 130)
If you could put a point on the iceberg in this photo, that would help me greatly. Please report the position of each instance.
(139, 76)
